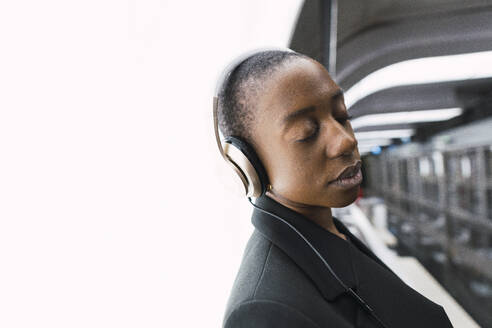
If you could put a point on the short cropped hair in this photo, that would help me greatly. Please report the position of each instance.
(237, 104)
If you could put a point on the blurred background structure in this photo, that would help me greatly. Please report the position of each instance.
(418, 81)
(116, 209)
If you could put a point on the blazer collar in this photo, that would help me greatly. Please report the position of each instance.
(332, 248)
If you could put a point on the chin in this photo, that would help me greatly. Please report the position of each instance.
(345, 198)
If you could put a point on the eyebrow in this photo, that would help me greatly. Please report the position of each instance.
(303, 111)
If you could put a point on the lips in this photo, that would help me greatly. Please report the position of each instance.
(349, 171)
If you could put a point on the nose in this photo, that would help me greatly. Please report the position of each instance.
(341, 142)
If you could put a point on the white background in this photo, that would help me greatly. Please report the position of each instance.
(116, 209)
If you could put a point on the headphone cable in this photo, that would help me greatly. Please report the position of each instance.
(347, 289)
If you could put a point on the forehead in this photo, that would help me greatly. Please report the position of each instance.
(300, 83)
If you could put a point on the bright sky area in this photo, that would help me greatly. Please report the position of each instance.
(116, 209)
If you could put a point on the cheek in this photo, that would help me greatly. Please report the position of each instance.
(299, 171)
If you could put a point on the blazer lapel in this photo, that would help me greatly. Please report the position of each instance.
(293, 233)
(359, 244)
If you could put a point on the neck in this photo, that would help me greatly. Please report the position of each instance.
(320, 215)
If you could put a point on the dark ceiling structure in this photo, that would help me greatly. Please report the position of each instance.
(354, 38)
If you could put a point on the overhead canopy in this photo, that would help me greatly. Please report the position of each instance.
(373, 34)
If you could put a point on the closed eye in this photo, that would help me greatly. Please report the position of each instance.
(311, 136)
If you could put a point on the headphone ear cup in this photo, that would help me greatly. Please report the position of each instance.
(242, 156)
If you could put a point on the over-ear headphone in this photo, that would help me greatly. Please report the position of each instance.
(235, 150)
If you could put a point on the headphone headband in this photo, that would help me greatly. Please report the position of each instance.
(224, 76)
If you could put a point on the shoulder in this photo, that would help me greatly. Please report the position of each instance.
(267, 313)
(264, 283)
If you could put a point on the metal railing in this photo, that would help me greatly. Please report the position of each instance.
(440, 208)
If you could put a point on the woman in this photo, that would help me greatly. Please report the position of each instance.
(289, 138)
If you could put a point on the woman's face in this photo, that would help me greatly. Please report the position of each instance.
(303, 137)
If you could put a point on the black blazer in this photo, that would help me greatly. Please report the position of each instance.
(282, 283)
